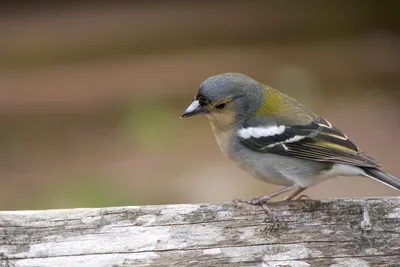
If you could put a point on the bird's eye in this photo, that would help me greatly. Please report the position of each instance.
(220, 105)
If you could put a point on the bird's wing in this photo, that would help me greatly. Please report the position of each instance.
(317, 141)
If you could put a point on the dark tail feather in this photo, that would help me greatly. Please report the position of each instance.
(383, 177)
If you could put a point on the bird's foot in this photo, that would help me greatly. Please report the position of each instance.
(298, 198)
(259, 201)
(253, 201)
(263, 200)
(269, 213)
(303, 197)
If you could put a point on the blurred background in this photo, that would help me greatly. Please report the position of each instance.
(91, 94)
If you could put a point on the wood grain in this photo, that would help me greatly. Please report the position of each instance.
(338, 232)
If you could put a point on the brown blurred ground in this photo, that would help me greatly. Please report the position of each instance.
(90, 95)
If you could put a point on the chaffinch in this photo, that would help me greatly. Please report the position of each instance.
(276, 139)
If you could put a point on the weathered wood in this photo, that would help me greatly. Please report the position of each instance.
(339, 232)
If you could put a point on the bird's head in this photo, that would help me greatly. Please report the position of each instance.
(227, 99)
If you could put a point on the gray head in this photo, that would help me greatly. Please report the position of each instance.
(227, 98)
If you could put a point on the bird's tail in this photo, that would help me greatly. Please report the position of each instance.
(383, 177)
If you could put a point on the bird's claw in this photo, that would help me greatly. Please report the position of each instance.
(258, 201)
(298, 198)
(253, 201)
(269, 212)
(303, 197)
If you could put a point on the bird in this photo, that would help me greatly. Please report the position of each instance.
(276, 139)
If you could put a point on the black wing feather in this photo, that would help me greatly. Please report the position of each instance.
(318, 141)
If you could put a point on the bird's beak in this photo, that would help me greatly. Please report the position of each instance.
(193, 109)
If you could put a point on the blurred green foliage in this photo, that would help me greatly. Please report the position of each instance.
(87, 189)
(150, 125)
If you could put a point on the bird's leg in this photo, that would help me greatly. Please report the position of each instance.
(260, 200)
(294, 194)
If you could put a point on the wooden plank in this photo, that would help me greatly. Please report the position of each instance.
(338, 232)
